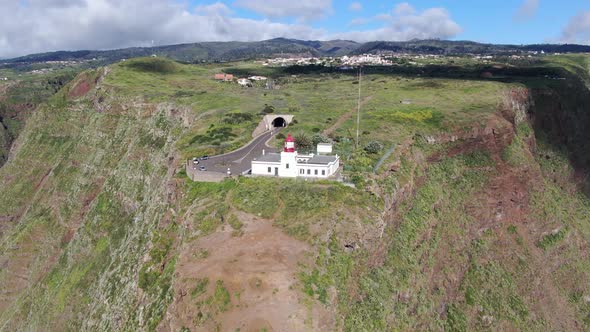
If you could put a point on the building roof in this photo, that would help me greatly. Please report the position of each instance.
(276, 158)
(322, 160)
(269, 157)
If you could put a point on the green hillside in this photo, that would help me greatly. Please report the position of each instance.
(476, 221)
(233, 51)
(204, 51)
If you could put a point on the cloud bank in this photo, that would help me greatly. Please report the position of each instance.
(35, 26)
(52, 25)
(405, 23)
(303, 10)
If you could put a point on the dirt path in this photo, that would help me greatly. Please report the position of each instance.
(345, 117)
(258, 269)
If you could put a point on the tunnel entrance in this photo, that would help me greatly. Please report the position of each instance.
(279, 122)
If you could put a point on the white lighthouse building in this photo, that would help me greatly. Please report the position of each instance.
(291, 164)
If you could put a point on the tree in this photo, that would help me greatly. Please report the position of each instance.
(302, 142)
(374, 147)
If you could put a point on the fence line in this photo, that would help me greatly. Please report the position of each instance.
(385, 156)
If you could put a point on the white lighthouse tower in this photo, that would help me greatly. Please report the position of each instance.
(289, 159)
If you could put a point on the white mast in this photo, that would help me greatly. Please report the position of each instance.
(358, 111)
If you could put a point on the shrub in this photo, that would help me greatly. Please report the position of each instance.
(512, 229)
(358, 180)
(200, 287)
(268, 109)
(456, 320)
(374, 147)
(155, 65)
(221, 299)
(478, 159)
(234, 222)
(319, 138)
(147, 278)
(237, 118)
(551, 239)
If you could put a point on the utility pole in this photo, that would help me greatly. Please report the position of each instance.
(358, 111)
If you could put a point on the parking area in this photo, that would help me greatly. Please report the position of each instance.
(237, 162)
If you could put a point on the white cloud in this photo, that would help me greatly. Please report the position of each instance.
(303, 10)
(355, 6)
(527, 10)
(383, 17)
(42, 26)
(577, 30)
(358, 21)
(218, 8)
(404, 8)
(406, 23)
(50, 25)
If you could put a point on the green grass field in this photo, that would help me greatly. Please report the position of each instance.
(318, 101)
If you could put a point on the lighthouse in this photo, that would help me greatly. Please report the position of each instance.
(289, 158)
(289, 144)
(290, 164)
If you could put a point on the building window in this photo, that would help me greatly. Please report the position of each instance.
(308, 171)
(302, 171)
(316, 172)
(323, 172)
(269, 169)
(287, 166)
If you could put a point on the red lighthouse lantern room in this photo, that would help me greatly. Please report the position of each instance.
(289, 144)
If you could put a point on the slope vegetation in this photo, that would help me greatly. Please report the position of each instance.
(476, 221)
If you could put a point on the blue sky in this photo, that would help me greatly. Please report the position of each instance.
(49, 25)
(483, 21)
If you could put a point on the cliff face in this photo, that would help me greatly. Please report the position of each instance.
(562, 119)
(4, 142)
(18, 100)
(84, 198)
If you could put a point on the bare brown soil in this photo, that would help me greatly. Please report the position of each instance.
(81, 87)
(258, 269)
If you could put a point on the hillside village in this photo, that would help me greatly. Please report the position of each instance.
(385, 58)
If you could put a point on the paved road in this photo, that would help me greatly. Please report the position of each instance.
(239, 161)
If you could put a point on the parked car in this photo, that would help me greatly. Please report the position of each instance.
(202, 168)
(204, 157)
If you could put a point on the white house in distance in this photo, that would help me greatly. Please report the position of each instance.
(291, 164)
(244, 82)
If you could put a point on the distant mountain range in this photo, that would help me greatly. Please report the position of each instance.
(229, 51)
